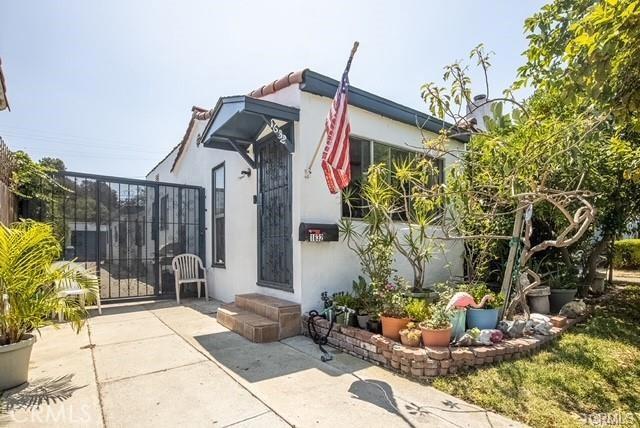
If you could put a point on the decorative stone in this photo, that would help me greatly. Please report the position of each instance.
(417, 364)
(512, 328)
(461, 354)
(437, 353)
(432, 364)
(431, 372)
(574, 309)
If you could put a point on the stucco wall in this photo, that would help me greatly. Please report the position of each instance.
(317, 267)
(331, 266)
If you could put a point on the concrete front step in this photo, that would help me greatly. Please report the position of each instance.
(254, 327)
(253, 314)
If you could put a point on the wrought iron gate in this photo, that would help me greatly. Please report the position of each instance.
(274, 215)
(128, 230)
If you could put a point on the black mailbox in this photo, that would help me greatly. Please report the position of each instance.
(318, 232)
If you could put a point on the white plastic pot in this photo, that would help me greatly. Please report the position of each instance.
(14, 362)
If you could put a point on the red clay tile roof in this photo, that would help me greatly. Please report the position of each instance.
(199, 113)
(288, 80)
(4, 102)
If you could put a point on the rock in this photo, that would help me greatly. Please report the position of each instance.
(544, 328)
(538, 324)
(540, 317)
(512, 329)
(484, 338)
(574, 309)
(465, 340)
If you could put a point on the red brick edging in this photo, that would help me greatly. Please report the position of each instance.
(429, 362)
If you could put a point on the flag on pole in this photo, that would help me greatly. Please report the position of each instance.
(335, 157)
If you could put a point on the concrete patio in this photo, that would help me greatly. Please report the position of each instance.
(159, 364)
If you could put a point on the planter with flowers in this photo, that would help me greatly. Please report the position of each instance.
(394, 313)
(437, 328)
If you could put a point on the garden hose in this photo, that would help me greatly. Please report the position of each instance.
(317, 338)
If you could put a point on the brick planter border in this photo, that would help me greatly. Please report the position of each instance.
(429, 362)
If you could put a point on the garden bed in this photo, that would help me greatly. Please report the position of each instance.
(430, 362)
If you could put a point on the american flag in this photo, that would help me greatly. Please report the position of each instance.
(335, 157)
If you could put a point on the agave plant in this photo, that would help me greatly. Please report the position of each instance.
(30, 281)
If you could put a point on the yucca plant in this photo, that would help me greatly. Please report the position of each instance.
(30, 281)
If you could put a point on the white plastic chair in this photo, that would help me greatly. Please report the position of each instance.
(186, 268)
(69, 288)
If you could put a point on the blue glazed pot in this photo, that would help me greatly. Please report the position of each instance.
(458, 322)
(482, 318)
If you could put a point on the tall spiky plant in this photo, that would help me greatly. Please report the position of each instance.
(30, 281)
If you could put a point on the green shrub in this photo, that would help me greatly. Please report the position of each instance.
(417, 310)
(627, 254)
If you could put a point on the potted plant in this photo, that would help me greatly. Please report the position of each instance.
(411, 335)
(344, 305)
(394, 313)
(363, 294)
(446, 292)
(436, 330)
(374, 325)
(29, 294)
(564, 288)
(486, 317)
(417, 310)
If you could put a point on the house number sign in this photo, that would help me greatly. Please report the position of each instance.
(278, 132)
(316, 235)
(318, 232)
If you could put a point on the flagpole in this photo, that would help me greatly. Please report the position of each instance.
(307, 171)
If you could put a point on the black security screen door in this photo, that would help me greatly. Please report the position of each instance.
(274, 215)
(127, 230)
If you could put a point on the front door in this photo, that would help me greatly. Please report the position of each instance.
(274, 215)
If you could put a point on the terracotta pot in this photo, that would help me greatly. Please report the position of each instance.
(431, 337)
(406, 341)
(391, 327)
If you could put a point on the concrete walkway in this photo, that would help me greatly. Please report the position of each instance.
(163, 365)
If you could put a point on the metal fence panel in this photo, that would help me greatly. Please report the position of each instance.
(127, 230)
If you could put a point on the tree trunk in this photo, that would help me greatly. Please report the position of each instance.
(594, 258)
(566, 256)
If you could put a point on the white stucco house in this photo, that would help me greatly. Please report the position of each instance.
(253, 217)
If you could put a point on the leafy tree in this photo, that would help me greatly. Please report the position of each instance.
(585, 56)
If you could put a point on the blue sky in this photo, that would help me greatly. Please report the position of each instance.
(108, 86)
